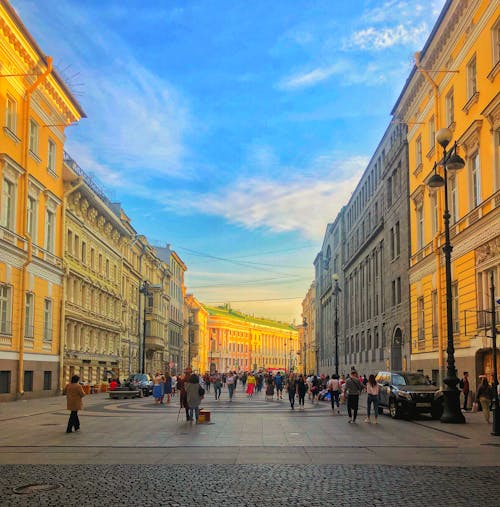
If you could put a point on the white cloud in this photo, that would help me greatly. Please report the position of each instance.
(382, 38)
(305, 204)
(310, 78)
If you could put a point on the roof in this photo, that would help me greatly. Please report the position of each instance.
(234, 314)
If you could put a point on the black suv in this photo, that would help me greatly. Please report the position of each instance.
(405, 393)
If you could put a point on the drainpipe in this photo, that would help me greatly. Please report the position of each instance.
(62, 333)
(435, 240)
(29, 240)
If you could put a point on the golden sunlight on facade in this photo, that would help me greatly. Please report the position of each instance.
(244, 343)
(35, 107)
(455, 84)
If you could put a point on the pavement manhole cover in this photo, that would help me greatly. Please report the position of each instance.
(29, 489)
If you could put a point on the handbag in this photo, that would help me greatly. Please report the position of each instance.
(201, 391)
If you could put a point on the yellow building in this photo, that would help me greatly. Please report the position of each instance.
(198, 336)
(35, 108)
(455, 84)
(243, 343)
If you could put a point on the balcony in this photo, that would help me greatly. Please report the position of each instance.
(154, 343)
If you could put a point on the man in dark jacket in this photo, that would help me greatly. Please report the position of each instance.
(353, 388)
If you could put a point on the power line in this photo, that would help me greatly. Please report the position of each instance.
(254, 300)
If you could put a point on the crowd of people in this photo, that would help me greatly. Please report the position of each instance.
(344, 389)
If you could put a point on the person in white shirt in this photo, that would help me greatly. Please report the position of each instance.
(333, 387)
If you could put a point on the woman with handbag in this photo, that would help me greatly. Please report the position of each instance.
(485, 395)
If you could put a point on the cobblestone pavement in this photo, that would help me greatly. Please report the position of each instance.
(136, 453)
(250, 485)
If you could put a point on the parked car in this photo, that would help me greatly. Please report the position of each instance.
(407, 394)
(143, 382)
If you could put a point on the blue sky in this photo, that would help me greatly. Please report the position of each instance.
(232, 130)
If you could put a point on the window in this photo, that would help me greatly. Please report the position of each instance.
(11, 115)
(47, 380)
(69, 241)
(471, 77)
(495, 42)
(51, 161)
(420, 226)
(434, 307)
(432, 133)
(453, 199)
(450, 107)
(475, 180)
(50, 219)
(418, 152)
(28, 381)
(5, 309)
(92, 258)
(8, 204)
(421, 319)
(397, 240)
(29, 313)
(33, 137)
(47, 320)
(398, 290)
(31, 212)
(84, 252)
(392, 244)
(456, 316)
(4, 382)
(434, 213)
(389, 191)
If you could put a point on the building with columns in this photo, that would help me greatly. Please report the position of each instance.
(36, 106)
(243, 343)
(308, 347)
(198, 336)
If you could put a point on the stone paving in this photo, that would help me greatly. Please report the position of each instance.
(133, 452)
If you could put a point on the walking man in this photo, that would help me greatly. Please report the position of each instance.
(333, 387)
(465, 386)
(74, 394)
(353, 388)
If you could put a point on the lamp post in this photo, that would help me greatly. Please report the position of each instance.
(317, 360)
(211, 354)
(450, 162)
(285, 357)
(304, 326)
(144, 289)
(496, 416)
(336, 291)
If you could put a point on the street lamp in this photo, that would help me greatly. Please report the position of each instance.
(496, 416)
(304, 327)
(336, 292)
(285, 357)
(144, 289)
(450, 162)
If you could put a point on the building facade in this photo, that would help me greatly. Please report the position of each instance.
(35, 108)
(244, 343)
(198, 335)
(308, 332)
(366, 251)
(176, 347)
(328, 263)
(455, 85)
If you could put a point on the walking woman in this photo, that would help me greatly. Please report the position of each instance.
(373, 390)
(193, 396)
(158, 388)
(251, 382)
(74, 394)
(302, 388)
(168, 386)
(230, 377)
(353, 388)
(291, 387)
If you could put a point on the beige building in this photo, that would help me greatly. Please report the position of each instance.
(308, 346)
(198, 335)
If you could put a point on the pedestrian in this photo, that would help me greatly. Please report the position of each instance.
(113, 385)
(74, 394)
(168, 386)
(315, 385)
(333, 387)
(260, 382)
(373, 390)
(251, 381)
(230, 384)
(485, 396)
(291, 387)
(194, 393)
(270, 388)
(181, 386)
(216, 380)
(158, 388)
(278, 382)
(465, 386)
(206, 381)
(354, 387)
(302, 388)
